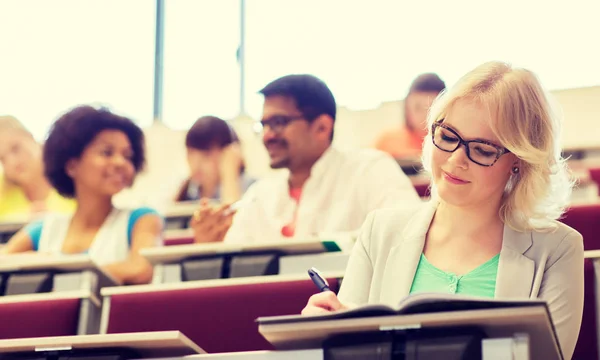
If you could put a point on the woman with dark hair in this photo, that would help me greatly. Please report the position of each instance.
(215, 161)
(91, 155)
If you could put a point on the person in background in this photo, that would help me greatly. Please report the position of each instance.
(406, 141)
(216, 164)
(491, 229)
(91, 155)
(321, 189)
(24, 190)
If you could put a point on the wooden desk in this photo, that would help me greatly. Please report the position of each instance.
(147, 344)
(251, 280)
(10, 226)
(73, 294)
(179, 214)
(39, 261)
(497, 323)
(503, 350)
(312, 354)
(8, 229)
(224, 260)
(65, 277)
(179, 233)
(33, 261)
(171, 254)
(182, 209)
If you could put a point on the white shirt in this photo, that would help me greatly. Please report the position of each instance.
(342, 189)
(110, 244)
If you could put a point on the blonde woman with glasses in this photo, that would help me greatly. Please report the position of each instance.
(499, 185)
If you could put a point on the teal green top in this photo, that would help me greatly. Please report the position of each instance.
(480, 282)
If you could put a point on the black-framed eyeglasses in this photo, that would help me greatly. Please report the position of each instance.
(480, 152)
(278, 122)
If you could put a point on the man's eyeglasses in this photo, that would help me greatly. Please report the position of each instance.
(278, 122)
(480, 152)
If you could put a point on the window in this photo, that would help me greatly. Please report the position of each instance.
(369, 52)
(62, 53)
(201, 71)
(352, 46)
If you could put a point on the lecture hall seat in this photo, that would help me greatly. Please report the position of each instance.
(587, 344)
(178, 241)
(585, 218)
(218, 319)
(39, 318)
(422, 189)
(595, 176)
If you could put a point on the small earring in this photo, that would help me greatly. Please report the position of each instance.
(515, 170)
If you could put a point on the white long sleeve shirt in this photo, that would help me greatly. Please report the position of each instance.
(342, 189)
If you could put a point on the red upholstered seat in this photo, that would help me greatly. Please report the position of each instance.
(422, 189)
(179, 241)
(218, 319)
(587, 344)
(595, 176)
(586, 220)
(39, 318)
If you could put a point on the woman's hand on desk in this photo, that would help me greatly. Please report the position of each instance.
(322, 303)
(211, 223)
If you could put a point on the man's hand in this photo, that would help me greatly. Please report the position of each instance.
(210, 223)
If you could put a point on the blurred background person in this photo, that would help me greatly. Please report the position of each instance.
(406, 141)
(24, 190)
(215, 161)
(320, 189)
(92, 155)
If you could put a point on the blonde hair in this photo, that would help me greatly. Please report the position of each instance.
(524, 121)
(8, 122)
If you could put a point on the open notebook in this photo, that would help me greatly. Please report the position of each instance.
(422, 303)
(496, 318)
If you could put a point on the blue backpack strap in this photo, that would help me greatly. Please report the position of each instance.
(34, 230)
(134, 217)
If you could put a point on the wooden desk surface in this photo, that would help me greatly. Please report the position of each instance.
(61, 295)
(160, 343)
(179, 233)
(591, 254)
(534, 321)
(40, 261)
(137, 289)
(170, 254)
(181, 209)
(10, 227)
(36, 261)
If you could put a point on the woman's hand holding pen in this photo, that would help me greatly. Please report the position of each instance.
(325, 301)
(322, 303)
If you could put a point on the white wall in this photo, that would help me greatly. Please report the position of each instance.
(166, 167)
(166, 150)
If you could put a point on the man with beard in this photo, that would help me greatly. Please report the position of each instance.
(324, 190)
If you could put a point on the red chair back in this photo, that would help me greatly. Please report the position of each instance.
(595, 176)
(178, 241)
(39, 318)
(587, 344)
(586, 220)
(218, 319)
(422, 189)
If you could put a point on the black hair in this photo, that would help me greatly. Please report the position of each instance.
(74, 131)
(428, 82)
(312, 96)
(208, 132)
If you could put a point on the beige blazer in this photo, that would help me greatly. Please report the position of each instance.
(535, 265)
